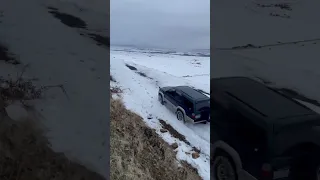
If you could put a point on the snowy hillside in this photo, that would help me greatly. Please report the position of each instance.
(280, 52)
(141, 74)
(62, 57)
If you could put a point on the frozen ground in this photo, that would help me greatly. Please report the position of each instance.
(59, 55)
(237, 23)
(291, 66)
(141, 86)
(289, 54)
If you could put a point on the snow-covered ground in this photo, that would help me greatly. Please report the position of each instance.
(57, 54)
(293, 66)
(284, 65)
(242, 22)
(141, 95)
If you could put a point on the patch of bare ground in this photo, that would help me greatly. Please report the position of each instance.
(25, 154)
(115, 90)
(176, 134)
(21, 89)
(138, 152)
(112, 79)
(6, 56)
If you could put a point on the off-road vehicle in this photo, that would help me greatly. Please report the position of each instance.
(186, 102)
(258, 133)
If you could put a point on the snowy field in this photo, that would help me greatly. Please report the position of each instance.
(289, 52)
(140, 85)
(244, 22)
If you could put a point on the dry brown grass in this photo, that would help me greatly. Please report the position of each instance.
(25, 154)
(138, 153)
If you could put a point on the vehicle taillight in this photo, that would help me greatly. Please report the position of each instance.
(266, 172)
(194, 116)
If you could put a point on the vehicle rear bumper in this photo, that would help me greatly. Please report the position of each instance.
(201, 121)
(195, 121)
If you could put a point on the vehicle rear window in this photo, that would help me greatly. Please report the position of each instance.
(202, 105)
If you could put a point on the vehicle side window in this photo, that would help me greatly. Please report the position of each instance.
(176, 95)
(172, 93)
(187, 103)
(247, 128)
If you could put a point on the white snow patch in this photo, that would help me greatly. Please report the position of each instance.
(141, 96)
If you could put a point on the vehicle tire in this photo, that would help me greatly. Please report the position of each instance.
(160, 98)
(307, 168)
(180, 115)
(223, 167)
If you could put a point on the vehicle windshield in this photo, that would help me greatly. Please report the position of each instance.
(203, 105)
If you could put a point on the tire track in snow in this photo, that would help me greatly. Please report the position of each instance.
(78, 23)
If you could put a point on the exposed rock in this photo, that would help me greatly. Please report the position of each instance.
(150, 116)
(163, 130)
(195, 155)
(174, 146)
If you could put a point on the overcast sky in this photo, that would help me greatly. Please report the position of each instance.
(178, 24)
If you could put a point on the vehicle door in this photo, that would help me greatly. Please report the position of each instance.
(249, 140)
(172, 97)
(219, 124)
(202, 108)
(188, 105)
(227, 124)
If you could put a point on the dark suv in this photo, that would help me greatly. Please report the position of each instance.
(260, 134)
(189, 104)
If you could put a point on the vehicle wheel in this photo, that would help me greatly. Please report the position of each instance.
(180, 116)
(223, 167)
(160, 98)
(306, 168)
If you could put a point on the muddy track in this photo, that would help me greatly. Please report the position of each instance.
(67, 19)
(252, 46)
(132, 68)
(174, 133)
(7, 56)
(78, 23)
